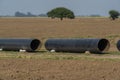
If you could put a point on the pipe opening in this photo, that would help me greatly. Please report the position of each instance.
(103, 45)
(118, 45)
(35, 44)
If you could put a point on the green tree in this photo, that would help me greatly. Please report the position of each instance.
(114, 14)
(61, 13)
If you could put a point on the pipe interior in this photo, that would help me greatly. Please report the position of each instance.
(35, 44)
(118, 45)
(103, 45)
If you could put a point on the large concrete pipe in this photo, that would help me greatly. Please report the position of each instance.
(19, 44)
(77, 45)
(118, 45)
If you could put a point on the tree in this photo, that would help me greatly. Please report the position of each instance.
(19, 14)
(114, 14)
(61, 13)
(29, 14)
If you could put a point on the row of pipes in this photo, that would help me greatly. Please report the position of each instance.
(94, 45)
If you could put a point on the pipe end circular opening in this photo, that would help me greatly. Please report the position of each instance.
(35, 44)
(103, 45)
(118, 45)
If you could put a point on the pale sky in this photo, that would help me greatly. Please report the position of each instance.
(79, 7)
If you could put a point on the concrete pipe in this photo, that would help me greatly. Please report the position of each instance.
(77, 45)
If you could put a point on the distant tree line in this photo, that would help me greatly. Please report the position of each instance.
(92, 15)
(29, 14)
(62, 12)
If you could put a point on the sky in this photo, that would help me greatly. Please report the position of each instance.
(79, 7)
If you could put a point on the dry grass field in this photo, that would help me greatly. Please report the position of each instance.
(44, 28)
(31, 66)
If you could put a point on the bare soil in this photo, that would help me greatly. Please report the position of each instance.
(44, 28)
(35, 69)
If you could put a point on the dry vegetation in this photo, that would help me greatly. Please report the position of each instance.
(44, 28)
(39, 66)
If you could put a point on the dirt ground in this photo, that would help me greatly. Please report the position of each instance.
(35, 69)
(44, 28)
